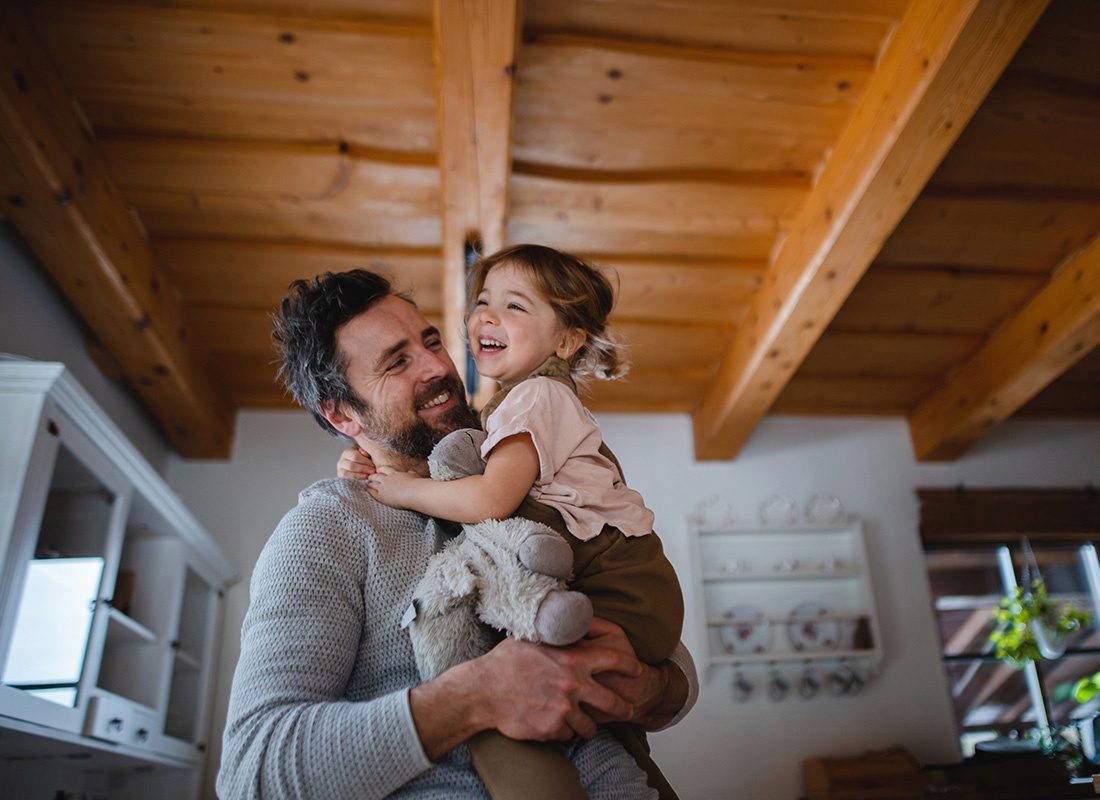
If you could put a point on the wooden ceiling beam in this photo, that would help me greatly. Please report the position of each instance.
(56, 188)
(942, 60)
(1056, 329)
(475, 56)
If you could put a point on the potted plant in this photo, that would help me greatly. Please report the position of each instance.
(1030, 626)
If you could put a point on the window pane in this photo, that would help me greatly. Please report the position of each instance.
(988, 695)
(966, 589)
(1058, 678)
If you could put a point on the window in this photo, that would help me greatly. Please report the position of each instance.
(973, 545)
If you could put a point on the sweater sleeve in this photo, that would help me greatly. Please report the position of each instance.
(290, 731)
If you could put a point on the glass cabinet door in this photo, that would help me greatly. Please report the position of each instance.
(58, 566)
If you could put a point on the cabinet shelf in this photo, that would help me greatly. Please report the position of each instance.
(781, 575)
(722, 622)
(795, 657)
(125, 629)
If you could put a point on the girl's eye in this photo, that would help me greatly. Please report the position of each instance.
(480, 302)
(516, 307)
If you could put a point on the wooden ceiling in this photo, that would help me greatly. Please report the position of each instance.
(781, 187)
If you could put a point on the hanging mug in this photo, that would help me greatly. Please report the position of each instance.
(809, 685)
(778, 686)
(742, 688)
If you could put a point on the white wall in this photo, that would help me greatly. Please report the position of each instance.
(724, 749)
(37, 322)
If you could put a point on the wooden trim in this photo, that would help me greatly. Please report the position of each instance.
(56, 188)
(965, 517)
(475, 55)
(1054, 331)
(940, 63)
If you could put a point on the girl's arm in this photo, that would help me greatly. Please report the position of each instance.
(510, 472)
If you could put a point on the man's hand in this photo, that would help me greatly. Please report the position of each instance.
(544, 692)
(526, 691)
(655, 693)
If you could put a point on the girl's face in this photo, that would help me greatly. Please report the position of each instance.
(513, 328)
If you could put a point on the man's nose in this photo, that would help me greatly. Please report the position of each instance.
(435, 364)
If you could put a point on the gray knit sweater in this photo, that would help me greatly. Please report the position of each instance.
(319, 706)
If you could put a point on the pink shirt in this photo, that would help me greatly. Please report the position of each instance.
(574, 478)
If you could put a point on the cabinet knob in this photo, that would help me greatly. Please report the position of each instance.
(114, 724)
(142, 734)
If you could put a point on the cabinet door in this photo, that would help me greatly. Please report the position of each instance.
(60, 563)
(194, 645)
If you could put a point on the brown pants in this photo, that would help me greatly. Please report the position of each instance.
(631, 583)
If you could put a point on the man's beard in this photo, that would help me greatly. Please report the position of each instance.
(416, 438)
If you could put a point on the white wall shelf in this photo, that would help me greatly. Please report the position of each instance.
(773, 596)
(134, 688)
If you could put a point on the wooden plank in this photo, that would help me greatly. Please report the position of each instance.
(671, 346)
(852, 396)
(837, 28)
(865, 188)
(647, 217)
(256, 274)
(598, 103)
(245, 76)
(648, 391)
(346, 10)
(860, 354)
(934, 300)
(1058, 327)
(475, 57)
(59, 193)
(682, 290)
(1029, 133)
(217, 189)
(1009, 233)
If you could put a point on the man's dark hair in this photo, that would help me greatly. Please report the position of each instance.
(305, 334)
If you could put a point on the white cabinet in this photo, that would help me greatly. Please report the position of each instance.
(110, 604)
(784, 596)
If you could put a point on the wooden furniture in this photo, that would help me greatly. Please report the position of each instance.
(894, 774)
(110, 604)
(778, 570)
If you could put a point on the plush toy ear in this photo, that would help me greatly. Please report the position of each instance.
(457, 455)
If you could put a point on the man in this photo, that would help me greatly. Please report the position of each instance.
(325, 699)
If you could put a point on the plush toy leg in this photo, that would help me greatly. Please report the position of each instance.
(550, 555)
(563, 617)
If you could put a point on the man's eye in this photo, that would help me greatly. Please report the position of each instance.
(397, 363)
(433, 344)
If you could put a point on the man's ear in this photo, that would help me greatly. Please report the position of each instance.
(570, 342)
(339, 420)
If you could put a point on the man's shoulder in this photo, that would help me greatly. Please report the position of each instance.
(330, 511)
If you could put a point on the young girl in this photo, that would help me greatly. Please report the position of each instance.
(538, 325)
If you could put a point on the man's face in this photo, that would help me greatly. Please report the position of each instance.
(397, 365)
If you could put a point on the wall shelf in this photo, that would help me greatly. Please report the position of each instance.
(783, 596)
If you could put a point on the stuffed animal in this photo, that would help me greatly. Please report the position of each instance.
(506, 574)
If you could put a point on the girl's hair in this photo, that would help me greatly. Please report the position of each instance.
(580, 295)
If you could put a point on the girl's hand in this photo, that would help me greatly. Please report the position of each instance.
(355, 464)
(394, 489)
